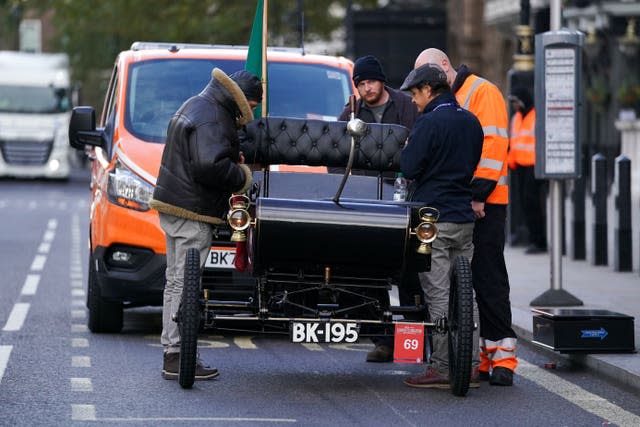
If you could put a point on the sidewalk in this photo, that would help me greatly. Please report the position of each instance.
(598, 287)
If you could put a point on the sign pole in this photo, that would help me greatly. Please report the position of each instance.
(556, 159)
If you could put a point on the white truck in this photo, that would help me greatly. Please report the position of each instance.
(35, 107)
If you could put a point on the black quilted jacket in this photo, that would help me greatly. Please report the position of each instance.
(199, 169)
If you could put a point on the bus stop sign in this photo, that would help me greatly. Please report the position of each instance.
(558, 101)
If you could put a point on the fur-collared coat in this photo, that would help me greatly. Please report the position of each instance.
(199, 169)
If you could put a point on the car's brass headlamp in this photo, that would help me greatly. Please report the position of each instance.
(239, 218)
(426, 231)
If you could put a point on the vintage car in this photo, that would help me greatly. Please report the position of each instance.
(320, 269)
(149, 82)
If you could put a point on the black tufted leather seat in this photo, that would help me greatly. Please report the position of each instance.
(280, 140)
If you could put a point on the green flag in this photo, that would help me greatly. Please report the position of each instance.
(255, 55)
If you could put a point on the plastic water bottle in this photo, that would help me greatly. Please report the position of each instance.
(400, 188)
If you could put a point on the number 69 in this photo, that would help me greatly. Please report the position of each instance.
(410, 344)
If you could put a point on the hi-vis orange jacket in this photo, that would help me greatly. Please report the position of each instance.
(484, 99)
(522, 144)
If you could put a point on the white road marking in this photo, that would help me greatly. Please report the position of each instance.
(16, 317)
(80, 361)
(578, 396)
(5, 352)
(77, 284)
(77, 303)
(83, 413)
(79, 342)
(78, 314)
(223, 419)
(78, 328)
(44, 248)
(312, 347)
(244, 342)
(77, 292)
(81, 384)
(38, 262)
(31, 284)
(48, 236)
(52, 224)
(76, 275)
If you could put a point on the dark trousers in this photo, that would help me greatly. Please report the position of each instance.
(533, 195)
(490, 279)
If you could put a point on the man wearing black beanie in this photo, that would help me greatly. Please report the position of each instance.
(380, 103)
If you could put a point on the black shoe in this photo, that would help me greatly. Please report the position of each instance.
(501, 376)
(484, 376)
(380, 354)
(171, 367)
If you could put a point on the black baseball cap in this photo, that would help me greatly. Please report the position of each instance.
(427, 73)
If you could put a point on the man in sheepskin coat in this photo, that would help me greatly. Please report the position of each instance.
(201, 167)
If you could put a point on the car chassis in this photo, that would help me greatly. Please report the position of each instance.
(325, 267)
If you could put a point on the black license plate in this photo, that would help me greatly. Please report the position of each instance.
(324, 332)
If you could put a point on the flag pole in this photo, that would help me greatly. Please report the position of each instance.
(264, 57)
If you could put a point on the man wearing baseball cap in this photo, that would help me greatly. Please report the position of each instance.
(441, 155)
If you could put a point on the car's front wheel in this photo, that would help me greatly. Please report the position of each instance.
(104, 316)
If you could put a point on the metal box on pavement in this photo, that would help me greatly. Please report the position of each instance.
(583, 330)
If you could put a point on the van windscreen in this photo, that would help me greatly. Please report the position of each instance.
(157, 88)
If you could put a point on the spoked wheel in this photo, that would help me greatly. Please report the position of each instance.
(460, 326)
(189, 319)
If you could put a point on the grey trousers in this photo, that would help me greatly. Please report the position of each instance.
(453, 240)
(181, 234)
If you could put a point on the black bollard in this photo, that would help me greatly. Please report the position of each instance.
(599, 190)
(578, 221)
(622, 255)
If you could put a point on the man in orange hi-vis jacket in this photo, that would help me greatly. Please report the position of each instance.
(522, 157)
(490, 197)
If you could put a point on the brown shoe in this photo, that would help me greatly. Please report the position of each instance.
(171, 368)
(430, 379)
(380, 354)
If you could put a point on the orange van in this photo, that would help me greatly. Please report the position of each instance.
(148, 84)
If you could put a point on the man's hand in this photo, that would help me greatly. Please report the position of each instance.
(478, 209)
(241, 159)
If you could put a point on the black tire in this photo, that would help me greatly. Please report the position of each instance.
(104, 316)
(460, 326)
(189, 319)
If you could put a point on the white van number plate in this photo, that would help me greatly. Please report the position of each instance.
(324, 332)
(221, 257)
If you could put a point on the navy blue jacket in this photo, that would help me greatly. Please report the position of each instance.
(443, 151)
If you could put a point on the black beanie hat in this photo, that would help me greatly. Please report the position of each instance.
(368, 68)
(249, 83)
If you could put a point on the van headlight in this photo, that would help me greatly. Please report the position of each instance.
(128, 190)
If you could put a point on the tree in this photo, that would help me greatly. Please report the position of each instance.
(93, 33)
